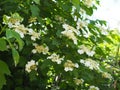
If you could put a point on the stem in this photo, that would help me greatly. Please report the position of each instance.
(2, 28)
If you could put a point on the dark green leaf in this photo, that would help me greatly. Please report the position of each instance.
(4, 68)
(34, 10)
(2, 80)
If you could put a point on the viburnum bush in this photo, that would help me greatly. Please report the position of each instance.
(56, 45)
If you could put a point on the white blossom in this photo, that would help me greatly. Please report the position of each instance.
(106, 75)
(83, 49)
(81, 24)
(88, 3)
(56, 58)
(69, 65)
(31, 65)
(91, 64)
(21, 29)
(70, 32)
(93, 88)
(78, 81)
(40, 49)
(34, 35)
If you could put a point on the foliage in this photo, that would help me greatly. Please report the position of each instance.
(55, 45)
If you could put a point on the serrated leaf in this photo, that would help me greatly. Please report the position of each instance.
(3, 45)
(4, 68)
(15, 55)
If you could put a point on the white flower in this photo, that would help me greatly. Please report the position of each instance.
(78, 81)
(34, 35)
(91, 64)
(82, 61)
(81, 24)
(80, 51)
(21, 29)
(69, 65)
(90, 53)
(88, 3)
(83, 49)
(73, 10)
(70, 32)
(93, 88)
(76, 65)
(56, 58)
(12, 20)
(31, 65)
(40, 49)
(107, 75)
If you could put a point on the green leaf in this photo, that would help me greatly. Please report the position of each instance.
(37, 1)
(2, 80)
(15, 55)
(5, 19)
(76, 3)
(34, 10)
(4, 68)
(13, 34)
(3, 45)
(20, 43)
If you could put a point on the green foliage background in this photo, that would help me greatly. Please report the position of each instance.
(47, 17)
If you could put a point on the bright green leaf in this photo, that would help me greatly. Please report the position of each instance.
(37, 1)
(15, 55)
(20, 43)
(11, 34)
(3, 45)
(76, 3)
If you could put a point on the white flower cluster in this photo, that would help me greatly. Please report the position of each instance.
(83, 49)
(21, 29)
(88, 3)
(12, 20)
(31, 65)
(56, 58)
(102, 28)
(78, 81)
(91, 64)
(34, 35)
(69, 65)
(40, 49)
(15, 23)
(81, 24)
(106, 75)
(70, 32)
(93, 88)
